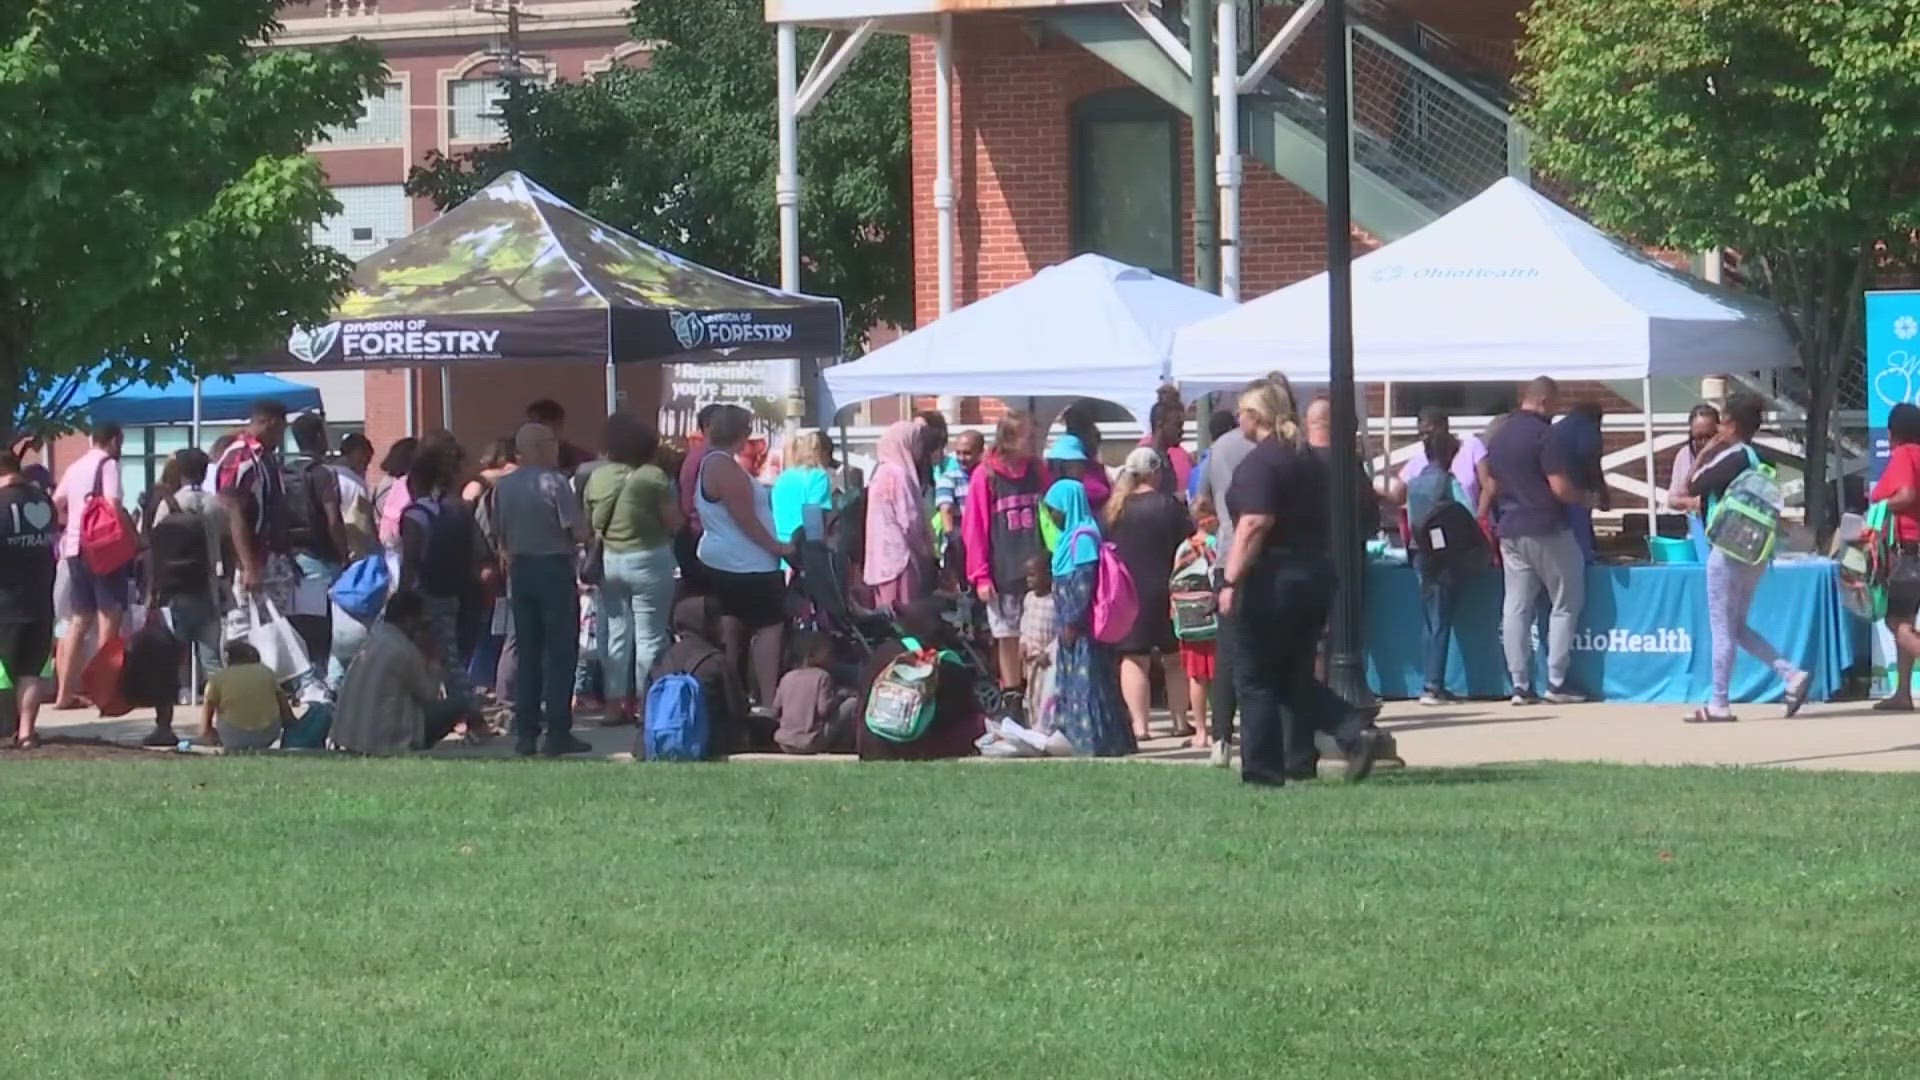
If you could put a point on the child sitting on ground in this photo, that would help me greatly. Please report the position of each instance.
(696, 652)
(1193, 572)
(812, 715)
(1038, 629)
(245, 707)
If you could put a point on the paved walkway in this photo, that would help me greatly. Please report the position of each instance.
(1838, 736)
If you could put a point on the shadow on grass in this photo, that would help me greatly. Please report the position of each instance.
(1451, 720)
(1454, 777)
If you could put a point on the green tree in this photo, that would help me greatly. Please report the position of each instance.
(683, 152)
(1783, 131)
(156, 199)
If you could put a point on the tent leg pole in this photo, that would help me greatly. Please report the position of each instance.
(193, 437)
(613, 389)
(1386, 428)
(1227, 37)
(406, 401)
(446, 399)
(1653, 501)
(786, 194)
(943, 202)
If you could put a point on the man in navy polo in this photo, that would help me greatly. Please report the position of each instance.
(1533, 484)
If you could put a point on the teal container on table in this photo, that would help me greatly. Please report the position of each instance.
(1669, 550)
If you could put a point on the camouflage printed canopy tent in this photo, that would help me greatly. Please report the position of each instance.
(514, 273)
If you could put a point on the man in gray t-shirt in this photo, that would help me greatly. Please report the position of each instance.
(537, 522)
(1228, 451)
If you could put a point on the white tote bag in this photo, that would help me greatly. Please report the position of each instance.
(275, 639)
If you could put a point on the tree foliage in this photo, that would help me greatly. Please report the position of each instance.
(683, 153)
(1784, 131)
(156, 199)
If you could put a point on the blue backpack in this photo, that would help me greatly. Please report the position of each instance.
(362, 591)
(676, 720)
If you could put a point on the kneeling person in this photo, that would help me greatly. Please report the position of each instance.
(391, 697)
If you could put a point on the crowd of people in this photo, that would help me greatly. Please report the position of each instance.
(538, 583)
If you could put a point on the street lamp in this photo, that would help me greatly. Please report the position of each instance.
(1346, 661)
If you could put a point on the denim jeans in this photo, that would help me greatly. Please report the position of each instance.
(1278, 619)
(443, 622)
(546, 620)
(1439, 597)
(195, 619)
(636, 597)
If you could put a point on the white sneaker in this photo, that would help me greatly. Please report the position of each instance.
(1221, 756)
(1431, 699)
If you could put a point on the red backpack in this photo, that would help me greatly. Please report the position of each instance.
(105, 541)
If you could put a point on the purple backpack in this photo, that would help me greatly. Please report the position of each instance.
(1116, 603)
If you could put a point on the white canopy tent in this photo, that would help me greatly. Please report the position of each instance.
(1089, 327)
(1507, 287)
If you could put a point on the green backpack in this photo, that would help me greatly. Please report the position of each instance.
(901, 707)
(1744, 524)
(1864, 563)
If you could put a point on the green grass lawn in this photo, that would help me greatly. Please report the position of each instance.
(259, 918)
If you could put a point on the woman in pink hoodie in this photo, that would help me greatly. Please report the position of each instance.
(1002, 532)
(899, 536)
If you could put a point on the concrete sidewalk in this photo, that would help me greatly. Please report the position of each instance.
(1846, 735)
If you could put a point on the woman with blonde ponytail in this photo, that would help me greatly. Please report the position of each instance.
(1278, 590)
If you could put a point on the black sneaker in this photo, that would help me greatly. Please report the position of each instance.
(526, 746)
(161, 737)
(1361, 754)
(562, 745)
(1523, 696)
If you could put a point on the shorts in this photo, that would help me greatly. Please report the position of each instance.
(25, 646)
(1197, 658)
(1903, 586)
(95, 594)
(1003, 615)
(757, 600)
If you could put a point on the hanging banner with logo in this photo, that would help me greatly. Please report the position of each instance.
(1893, 363)
(759, 386)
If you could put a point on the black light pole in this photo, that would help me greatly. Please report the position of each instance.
(1346, 662)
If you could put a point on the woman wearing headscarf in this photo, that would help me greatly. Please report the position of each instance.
(899, 538)
(1088, 709)
(1149, 524)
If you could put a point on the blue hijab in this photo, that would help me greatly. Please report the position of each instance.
(1070, 498)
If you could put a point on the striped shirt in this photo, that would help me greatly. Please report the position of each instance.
(383, 702)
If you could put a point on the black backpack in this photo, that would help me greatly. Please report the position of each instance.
(307, 526)
(1449, 538)
(177, 548)
(448, 568)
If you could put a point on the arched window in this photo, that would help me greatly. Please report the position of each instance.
(1126, 179)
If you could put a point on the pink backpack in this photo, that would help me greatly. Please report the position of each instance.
(1116, 603)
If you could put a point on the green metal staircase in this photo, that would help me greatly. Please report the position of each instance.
(1424, 141)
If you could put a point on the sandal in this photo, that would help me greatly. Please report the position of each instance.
(29, 742)
(1893, 704)
(1797, 690)
(1702, 716)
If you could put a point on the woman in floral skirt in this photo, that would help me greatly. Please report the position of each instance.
(1088, 709)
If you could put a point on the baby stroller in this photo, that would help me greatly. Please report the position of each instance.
(822, 583)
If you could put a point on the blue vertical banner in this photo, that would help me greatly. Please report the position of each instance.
(1893, 363)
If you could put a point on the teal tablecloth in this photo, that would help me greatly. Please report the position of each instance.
(1643, 635)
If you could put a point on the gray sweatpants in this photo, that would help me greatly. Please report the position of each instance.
(1532, 563)
(1730, 587)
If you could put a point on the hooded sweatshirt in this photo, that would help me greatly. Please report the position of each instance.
(1002, 527)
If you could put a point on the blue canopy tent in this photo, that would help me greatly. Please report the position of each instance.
(224, 397)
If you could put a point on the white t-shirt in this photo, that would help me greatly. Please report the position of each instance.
(70, 494)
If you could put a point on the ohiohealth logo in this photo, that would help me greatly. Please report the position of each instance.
(1667, 641)
(1386, 275)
